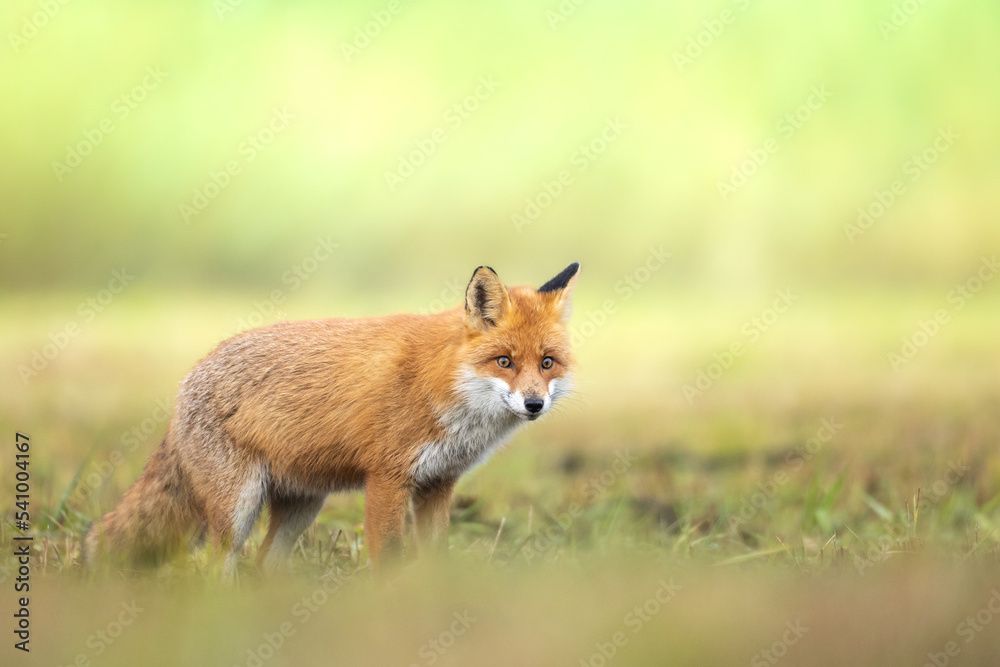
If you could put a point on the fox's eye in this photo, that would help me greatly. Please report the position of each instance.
(547, 363)
(503, 362)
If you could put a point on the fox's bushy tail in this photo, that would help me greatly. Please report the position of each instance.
(154, 519)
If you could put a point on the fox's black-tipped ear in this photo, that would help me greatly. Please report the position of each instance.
(562, 280)
(486, 299)
(562, 287)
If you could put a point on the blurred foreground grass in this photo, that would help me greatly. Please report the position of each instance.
(784, 494)
(635, 610)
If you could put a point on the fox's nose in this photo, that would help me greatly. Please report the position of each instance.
(534, 405)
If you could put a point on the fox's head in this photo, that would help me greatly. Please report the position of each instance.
(519, 356)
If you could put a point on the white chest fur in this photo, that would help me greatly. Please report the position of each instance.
(474, 428)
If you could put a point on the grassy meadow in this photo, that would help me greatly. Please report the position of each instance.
(782, 448)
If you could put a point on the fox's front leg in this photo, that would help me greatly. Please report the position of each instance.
(385, 508)
(432, 511)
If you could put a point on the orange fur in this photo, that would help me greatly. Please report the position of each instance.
(399, 406)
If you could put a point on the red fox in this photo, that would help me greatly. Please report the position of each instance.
(399, 406)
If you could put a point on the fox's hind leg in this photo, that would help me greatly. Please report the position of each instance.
(290, 516)
(236, 513)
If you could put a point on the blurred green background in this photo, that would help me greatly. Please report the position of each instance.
(354, 115)
(237, 162)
